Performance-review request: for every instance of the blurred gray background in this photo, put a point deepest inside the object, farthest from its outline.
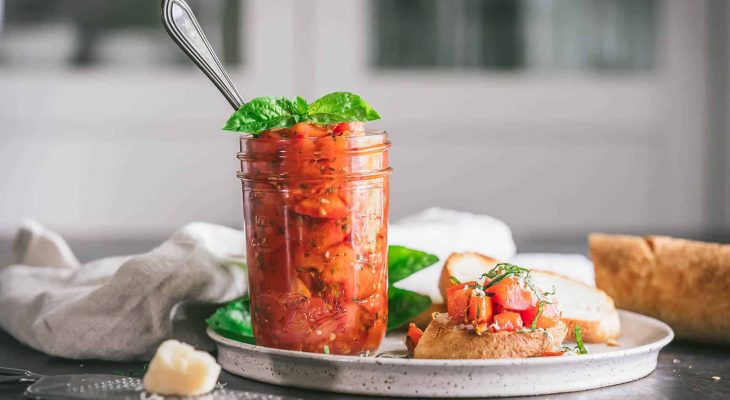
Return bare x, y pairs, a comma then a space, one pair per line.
560, 117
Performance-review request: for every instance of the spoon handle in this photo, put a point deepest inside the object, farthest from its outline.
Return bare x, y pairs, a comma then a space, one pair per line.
182, 26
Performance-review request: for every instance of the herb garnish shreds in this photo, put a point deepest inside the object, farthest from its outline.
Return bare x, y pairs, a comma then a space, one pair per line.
580, 348
503, 270
264, 113
233, 320
579, 341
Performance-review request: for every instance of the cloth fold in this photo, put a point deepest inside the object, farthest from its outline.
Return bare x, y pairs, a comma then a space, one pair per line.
119, 308
115, 308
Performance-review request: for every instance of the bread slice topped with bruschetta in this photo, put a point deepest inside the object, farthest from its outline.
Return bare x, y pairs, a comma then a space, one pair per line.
499, 313
581, 304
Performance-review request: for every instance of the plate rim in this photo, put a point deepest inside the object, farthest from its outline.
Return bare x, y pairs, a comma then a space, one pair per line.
645, 348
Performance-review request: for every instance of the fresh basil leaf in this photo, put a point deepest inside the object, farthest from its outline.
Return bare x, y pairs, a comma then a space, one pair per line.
301, 106
403, 305
233, 321
402, 262
341, 107
263, 113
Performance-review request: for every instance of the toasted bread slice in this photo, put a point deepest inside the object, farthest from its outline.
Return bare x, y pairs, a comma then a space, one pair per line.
581, 304
464, 267
442, 340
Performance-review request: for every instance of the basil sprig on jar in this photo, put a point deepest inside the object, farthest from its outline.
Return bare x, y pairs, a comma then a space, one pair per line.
265, 113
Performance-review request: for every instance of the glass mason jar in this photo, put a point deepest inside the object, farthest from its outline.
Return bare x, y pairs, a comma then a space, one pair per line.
316, 216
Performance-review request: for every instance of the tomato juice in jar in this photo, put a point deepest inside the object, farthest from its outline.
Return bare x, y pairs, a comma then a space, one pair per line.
315, 202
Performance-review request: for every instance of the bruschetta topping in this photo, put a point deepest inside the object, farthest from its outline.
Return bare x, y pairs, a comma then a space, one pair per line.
503, 299
412, 337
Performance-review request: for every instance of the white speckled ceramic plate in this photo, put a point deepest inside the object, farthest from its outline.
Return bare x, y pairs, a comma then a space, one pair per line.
636, 356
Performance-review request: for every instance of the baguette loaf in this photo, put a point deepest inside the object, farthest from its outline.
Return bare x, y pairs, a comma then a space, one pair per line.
685, 283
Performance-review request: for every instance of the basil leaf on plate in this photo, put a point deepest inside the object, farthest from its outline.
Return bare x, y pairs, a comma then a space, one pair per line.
233, 321
403, 262
404, 305
341, 107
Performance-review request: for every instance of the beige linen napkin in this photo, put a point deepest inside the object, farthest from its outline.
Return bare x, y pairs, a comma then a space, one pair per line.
115, 308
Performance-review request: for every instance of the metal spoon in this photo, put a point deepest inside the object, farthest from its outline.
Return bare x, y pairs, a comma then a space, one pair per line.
182, 26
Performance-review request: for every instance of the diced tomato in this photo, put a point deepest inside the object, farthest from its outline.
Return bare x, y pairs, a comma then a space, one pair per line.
375, 334
366, 280
331, 147
298, 158
318, 233
341, 268
322, 206
457, 300
412, 337
480, 309
511, 293
341, 127
550, 316
507, 322
375, 303
340, 262
304, 129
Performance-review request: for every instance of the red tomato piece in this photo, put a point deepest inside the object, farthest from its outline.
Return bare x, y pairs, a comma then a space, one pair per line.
318, 234
457, 300
374, 304
375, 334
366, 280
412, 337
340, 128
480, 310
304, 129
322, 206
550, 316
340, 268
511, 293
507, 322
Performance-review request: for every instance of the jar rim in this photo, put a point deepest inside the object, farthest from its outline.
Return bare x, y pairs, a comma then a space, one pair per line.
368, 133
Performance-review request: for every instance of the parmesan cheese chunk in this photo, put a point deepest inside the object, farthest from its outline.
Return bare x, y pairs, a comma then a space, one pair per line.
178, 369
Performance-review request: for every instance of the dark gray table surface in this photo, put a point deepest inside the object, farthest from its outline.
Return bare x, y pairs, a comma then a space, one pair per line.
685, 369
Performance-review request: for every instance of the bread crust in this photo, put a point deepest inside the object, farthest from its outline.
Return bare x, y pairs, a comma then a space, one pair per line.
442, 340
446, 273
685, 283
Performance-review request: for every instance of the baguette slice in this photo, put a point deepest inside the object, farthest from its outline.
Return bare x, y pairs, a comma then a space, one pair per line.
583, 305
442, 340
464, 267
